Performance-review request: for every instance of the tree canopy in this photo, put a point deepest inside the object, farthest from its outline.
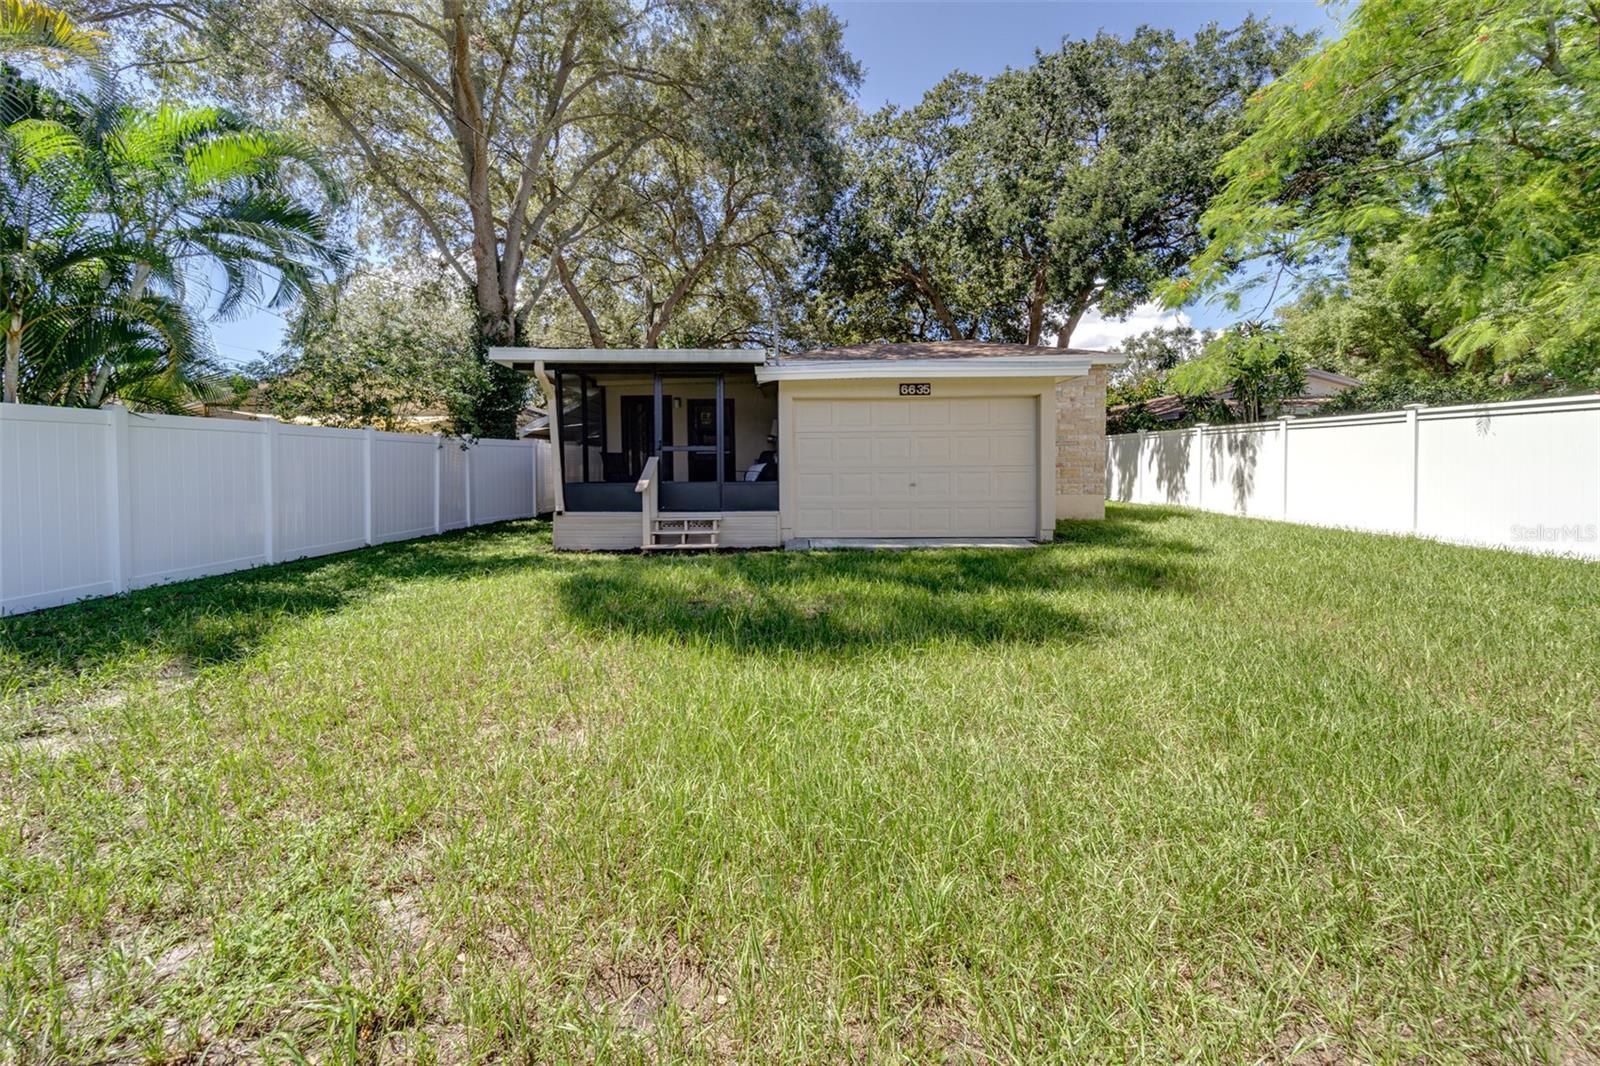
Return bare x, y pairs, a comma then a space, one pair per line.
1007, 209
614, 169
1480, 189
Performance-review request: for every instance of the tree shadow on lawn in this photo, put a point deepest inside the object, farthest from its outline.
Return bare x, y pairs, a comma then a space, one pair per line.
817, 601
842, 602
223, 618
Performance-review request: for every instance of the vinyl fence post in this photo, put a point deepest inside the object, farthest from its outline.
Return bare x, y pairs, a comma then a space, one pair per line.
1200, 489
1283, 466
119, 499
369, 435
269, 487
1415, 434
468, 449
438, 473
1138, 469
533, 461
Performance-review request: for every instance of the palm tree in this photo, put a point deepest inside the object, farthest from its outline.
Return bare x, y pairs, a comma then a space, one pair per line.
105, 210
202, 187
43, 161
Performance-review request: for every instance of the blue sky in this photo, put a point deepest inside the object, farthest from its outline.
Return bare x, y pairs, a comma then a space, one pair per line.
908, 45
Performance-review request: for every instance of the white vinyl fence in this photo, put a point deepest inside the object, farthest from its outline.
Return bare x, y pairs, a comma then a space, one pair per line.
1522, 475
95, 502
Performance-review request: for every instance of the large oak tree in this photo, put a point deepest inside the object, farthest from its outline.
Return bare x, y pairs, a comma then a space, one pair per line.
507, 135
1008, 209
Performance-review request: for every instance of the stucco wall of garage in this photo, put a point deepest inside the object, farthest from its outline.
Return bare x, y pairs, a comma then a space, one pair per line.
1042, 390
1080, 446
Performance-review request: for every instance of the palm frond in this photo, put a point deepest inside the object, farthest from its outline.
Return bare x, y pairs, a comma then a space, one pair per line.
30, 30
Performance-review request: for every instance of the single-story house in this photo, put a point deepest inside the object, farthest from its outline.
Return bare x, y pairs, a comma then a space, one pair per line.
877, 443
1171, 409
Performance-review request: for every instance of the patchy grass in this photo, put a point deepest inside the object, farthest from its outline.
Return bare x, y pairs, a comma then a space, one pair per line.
1177, 787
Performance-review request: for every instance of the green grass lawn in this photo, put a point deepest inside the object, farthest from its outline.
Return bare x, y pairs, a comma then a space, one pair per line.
1176, 787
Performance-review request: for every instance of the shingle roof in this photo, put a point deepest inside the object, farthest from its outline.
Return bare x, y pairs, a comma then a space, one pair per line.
935, 350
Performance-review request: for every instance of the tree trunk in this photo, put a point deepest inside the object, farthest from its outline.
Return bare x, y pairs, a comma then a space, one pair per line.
1036, 307
920, 279
596, 338
102, 374
652, 338
1080, 304
13, 371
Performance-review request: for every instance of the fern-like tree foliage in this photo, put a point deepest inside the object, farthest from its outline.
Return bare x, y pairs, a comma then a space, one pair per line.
1486, 184
106, 211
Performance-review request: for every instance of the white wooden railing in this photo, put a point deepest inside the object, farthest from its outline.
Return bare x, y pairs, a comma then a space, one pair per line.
648, 488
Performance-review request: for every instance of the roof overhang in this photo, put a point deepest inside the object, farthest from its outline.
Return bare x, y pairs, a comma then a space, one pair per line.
525, 358
1029, 366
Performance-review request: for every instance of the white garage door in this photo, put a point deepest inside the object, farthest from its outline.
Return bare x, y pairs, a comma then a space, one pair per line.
916, 467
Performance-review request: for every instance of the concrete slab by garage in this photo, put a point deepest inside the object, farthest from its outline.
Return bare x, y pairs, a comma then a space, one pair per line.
903, 543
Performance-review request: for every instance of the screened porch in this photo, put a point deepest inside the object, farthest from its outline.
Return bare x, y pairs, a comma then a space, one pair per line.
713, 429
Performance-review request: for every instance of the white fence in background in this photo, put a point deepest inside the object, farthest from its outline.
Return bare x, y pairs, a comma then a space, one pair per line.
1523, 475
95, 502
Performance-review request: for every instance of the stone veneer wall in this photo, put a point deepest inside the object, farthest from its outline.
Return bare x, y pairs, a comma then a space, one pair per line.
1081, 446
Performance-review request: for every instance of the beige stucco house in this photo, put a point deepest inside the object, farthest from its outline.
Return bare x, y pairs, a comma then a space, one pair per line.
881, 443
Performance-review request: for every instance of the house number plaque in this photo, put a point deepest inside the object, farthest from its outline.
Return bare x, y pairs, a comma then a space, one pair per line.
919, 388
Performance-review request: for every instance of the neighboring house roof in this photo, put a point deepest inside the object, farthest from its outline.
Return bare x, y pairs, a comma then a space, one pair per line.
947, 350
533, 422
1321, 385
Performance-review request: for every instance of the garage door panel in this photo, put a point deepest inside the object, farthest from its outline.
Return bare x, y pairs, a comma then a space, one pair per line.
891, 485
850, 416
812, 417
890, 522
846, 486
979, 414
973, 485
1011, 484
811, 486
1011, 451
916, 467
813, 451
930, 449
892, 450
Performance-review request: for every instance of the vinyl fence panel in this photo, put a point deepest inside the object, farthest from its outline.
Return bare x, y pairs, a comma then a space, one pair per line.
97, 502
1515, 475
1243, 471
1522, 475
453, 485
1353, 472
402, 485
195, 497
319, 492
502, 481
54, 507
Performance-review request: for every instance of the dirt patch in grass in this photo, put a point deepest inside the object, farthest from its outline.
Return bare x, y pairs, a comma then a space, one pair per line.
646, 994
1302, 1042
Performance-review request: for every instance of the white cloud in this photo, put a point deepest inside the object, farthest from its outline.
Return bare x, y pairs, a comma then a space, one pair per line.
1096, 331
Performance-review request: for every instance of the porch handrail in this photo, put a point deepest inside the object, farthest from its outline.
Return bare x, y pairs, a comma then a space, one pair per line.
648, 487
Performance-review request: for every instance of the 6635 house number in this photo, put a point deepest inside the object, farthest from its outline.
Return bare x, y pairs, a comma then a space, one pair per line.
916, 388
